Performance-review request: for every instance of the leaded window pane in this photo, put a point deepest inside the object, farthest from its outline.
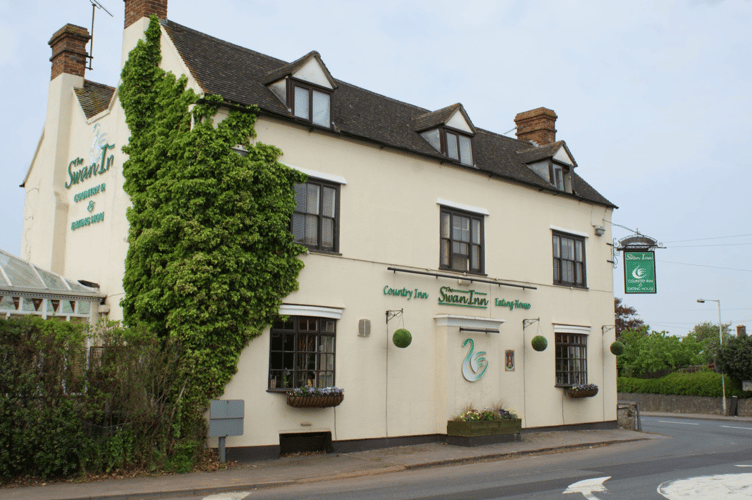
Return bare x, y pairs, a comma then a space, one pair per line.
311, 230
433, 137
302, 97
327, 234
321, 106
466, 150
308, 358
328, 208
452, 151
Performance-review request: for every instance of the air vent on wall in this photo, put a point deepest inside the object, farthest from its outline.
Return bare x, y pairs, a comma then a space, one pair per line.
364, 327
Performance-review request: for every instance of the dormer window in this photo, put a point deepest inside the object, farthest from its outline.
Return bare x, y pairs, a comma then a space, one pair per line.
305, 87
553, 163
452, 143
310, 104
448, 131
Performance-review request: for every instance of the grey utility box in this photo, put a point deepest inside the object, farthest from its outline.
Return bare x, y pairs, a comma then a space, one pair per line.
226, 417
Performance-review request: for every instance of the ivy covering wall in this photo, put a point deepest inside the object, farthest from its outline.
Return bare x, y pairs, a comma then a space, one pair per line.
210, 254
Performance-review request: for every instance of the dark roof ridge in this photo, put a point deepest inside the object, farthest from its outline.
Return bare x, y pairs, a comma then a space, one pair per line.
90, 82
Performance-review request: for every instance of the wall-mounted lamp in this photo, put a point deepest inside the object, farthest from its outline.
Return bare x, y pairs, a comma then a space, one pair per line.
599, 230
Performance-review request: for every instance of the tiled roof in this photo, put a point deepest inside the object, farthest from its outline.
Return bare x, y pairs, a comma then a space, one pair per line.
94, 97
439, 117
239, 76
289, 69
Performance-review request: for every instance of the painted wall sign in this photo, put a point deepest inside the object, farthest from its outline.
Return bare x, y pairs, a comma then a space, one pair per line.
449, 296
86, 221
89, 192
511, 304
97, 168
639, 272
404, 292
475, 365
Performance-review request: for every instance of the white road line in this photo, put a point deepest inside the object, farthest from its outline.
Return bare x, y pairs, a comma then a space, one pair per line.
732, 427
679, 423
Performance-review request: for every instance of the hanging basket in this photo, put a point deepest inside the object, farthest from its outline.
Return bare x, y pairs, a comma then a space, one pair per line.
314, 401
574, 393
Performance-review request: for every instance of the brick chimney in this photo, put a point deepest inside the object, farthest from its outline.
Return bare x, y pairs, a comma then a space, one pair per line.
537, 125
741, 331
69, 50
136, 9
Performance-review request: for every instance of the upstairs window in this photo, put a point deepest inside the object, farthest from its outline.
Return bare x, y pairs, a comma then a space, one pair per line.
311, 104
453, 144
569, 260
315, 220
461, 241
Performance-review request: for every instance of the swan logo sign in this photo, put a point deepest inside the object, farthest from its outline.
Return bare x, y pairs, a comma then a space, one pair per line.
475, 364
639, 272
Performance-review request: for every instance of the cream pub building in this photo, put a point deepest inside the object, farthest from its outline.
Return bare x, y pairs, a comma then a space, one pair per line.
413, 219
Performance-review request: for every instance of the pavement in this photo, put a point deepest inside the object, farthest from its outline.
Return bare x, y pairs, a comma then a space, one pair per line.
325, 467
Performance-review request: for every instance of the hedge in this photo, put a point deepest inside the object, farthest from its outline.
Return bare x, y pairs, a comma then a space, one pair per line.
702, 383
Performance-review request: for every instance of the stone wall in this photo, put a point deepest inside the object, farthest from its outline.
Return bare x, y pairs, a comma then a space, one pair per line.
685, 404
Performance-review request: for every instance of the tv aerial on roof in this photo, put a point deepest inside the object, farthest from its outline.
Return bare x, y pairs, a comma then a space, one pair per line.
94, 6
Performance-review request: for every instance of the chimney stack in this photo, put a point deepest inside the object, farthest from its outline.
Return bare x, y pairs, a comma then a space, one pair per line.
136, 9
741, 331
537, 126
69, 50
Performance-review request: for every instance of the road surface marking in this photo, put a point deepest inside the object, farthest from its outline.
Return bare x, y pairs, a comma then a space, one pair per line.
679, 423
233, 495
718, 487
732, 427
588, 486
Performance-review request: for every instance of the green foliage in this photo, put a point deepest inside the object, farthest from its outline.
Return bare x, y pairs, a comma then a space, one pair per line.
66, 409
701, 383
539, 343
706, 335
650, 352
210, 254
617, 348
735, 358
402, 338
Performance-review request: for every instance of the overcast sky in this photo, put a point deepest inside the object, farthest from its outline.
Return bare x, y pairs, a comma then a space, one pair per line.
654, 100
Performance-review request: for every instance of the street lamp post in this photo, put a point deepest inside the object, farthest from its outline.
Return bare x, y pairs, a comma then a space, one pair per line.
720, 338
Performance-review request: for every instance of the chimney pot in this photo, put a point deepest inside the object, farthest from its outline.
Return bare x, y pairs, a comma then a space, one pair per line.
537, 126
136, 9
69, 50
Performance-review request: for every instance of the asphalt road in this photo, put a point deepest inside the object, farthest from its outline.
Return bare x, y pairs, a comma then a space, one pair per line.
699, 460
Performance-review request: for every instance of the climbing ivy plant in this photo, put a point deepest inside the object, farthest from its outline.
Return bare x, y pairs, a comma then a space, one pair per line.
210, 254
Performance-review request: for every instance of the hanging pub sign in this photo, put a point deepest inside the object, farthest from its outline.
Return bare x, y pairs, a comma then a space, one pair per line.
639, 271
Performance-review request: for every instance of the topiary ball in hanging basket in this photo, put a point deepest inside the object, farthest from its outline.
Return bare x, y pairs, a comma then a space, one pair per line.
617, 348
539, 343
402, 338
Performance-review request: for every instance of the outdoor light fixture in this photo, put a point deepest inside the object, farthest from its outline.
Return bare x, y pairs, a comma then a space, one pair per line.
720, 338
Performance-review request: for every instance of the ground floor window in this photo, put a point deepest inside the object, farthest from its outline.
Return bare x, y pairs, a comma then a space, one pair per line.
301, 353
571, 359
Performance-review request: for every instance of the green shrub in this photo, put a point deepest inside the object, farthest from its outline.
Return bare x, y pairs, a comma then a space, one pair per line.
702, 383
539, 343
402, 338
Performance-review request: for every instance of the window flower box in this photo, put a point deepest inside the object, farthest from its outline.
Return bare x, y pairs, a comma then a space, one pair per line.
312, 397
582, 391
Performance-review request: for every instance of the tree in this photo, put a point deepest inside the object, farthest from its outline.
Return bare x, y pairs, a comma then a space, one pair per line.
625, 318
735, 358
646, 353
706, 334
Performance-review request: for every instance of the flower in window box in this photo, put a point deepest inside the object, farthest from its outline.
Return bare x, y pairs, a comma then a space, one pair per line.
315, 397
582, 391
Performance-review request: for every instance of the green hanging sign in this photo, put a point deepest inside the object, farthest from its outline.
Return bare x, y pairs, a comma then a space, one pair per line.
639, 272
